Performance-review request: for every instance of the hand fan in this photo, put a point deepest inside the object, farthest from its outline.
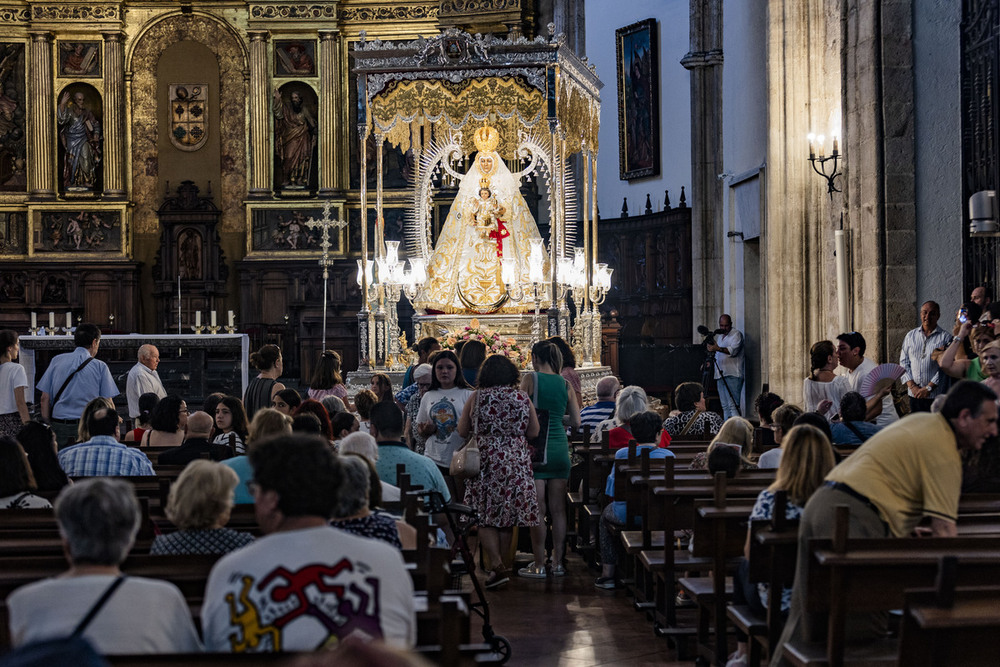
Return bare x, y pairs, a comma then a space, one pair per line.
882, 376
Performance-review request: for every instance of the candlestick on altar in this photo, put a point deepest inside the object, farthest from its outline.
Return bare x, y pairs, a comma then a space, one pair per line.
69, 320
52, 320
212, 318
178, 308
34, 320
232, 319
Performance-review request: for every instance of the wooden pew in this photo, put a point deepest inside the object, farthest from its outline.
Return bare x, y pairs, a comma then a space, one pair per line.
870, 575
949, 625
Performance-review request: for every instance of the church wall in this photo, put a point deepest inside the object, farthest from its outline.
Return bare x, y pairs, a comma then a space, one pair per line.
603, 17
744, 128
937, 54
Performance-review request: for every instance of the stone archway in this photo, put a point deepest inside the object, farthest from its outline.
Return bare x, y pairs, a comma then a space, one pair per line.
233, 63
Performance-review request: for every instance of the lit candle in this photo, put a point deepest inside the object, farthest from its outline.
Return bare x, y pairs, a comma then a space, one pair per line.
212, 317
34, 320
232, 319
52, 320
197, 318
69, 320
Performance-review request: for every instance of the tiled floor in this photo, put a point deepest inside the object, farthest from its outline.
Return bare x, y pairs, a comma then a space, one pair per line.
566, 622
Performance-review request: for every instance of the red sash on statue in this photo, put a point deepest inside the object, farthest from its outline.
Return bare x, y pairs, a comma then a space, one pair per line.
499, 234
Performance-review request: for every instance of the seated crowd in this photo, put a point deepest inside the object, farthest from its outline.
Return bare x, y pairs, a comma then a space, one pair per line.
320, 470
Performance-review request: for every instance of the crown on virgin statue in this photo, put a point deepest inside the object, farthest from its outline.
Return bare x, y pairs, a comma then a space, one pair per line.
486, 139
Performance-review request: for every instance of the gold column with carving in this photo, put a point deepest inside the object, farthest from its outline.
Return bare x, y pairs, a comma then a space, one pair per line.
41, 118
114, 120
260, 114
329, 108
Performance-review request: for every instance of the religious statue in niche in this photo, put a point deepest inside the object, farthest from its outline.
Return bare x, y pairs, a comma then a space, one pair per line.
295, 138
189, 255
80, 59
294, 58
12, 287
13, 144
84, 231
80, 137
488, 221
188, 115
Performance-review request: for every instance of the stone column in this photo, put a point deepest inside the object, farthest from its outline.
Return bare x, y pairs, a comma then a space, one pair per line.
704, 61
260, 117
114, 116
41, 118
329, 107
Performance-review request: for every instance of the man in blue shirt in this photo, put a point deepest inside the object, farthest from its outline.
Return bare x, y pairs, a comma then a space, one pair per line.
387, 428
87, 378
922, 377
103, 455
604, 408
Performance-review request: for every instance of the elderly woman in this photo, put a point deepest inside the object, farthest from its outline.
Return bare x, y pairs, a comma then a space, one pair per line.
199, 504
631, 401
364, 445
352, 512
169, 422
98, 520
414, 438
16, 480
333, 405
691, 417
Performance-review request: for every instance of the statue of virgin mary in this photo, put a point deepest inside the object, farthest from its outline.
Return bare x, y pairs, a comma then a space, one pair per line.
488, 221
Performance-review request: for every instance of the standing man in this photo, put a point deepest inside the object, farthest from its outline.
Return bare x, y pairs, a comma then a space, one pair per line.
143, 379
922, 377
851, 351
909, 471
72, 380
728, 348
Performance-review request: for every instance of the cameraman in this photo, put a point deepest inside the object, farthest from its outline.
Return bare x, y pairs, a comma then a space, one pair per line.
728, 349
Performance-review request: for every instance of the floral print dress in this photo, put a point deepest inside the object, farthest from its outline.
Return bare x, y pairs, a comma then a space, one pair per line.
504, 491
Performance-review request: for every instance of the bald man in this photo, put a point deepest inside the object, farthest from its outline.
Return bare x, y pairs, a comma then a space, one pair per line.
196, 443
143, 379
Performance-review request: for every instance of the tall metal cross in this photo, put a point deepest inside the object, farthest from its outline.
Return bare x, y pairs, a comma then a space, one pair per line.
325, 223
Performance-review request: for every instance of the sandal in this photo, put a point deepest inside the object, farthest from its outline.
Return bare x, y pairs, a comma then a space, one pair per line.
532, 571
498, 577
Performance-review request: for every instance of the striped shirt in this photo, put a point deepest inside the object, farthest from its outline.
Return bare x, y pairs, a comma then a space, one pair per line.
592, 415
103, 456
915, 358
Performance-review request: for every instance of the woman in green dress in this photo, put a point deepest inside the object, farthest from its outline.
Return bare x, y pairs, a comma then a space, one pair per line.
554, 395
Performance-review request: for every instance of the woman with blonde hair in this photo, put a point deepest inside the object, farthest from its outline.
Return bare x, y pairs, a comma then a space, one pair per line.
266, 422
735, 431
82, 432
807, 459
199, 504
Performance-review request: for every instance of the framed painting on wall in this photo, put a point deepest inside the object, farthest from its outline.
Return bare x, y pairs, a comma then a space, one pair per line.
638, 100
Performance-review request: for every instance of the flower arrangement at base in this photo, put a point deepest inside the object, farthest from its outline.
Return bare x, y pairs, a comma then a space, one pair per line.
494, 342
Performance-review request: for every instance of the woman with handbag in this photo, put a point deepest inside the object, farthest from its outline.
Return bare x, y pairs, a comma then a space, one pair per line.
552, 394
500, 417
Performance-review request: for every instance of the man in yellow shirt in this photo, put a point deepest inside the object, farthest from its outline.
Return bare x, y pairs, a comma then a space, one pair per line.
910, 470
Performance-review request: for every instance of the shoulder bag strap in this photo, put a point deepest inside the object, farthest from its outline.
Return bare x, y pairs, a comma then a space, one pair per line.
687, 427
854, 429
475, 415
66, 383
535, 397
97, 605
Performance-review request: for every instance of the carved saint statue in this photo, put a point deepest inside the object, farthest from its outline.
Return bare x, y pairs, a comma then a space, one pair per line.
295, 138
488, 221
81, 139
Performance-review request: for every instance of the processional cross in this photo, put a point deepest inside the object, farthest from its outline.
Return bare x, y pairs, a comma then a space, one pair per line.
326, 222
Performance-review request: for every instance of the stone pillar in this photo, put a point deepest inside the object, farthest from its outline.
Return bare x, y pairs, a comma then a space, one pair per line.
41, 118
260, 117
704, 61
114, 116
329, 107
